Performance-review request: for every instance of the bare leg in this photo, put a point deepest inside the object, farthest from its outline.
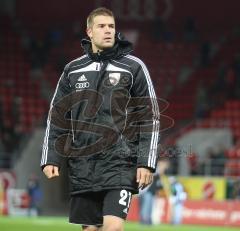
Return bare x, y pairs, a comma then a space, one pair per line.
113, 223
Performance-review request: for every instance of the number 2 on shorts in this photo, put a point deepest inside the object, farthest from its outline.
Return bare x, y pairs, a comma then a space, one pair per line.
124, 194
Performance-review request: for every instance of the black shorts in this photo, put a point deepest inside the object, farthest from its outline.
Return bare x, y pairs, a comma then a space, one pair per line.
89, 208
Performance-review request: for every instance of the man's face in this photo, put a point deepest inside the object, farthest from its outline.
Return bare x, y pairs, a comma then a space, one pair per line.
102, 32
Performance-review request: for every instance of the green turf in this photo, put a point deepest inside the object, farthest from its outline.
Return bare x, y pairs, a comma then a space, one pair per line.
61, 224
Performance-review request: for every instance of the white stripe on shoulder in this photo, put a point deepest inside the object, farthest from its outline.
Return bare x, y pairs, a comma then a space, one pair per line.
95, 66
121, 63
111, 67
79, 58
81, 64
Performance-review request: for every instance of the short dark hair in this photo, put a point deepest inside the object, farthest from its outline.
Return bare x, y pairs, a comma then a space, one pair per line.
99, 11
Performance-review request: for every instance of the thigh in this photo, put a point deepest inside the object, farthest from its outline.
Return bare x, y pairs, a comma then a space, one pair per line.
116, 203
86, 209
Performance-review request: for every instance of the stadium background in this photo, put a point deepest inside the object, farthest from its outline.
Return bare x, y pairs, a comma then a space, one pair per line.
192, 49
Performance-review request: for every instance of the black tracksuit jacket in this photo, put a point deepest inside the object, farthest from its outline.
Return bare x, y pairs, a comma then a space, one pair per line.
103, 119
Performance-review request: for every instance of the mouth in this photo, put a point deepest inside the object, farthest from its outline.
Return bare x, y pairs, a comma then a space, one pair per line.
107, 39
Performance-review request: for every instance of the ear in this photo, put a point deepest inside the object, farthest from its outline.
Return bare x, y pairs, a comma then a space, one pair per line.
89, 32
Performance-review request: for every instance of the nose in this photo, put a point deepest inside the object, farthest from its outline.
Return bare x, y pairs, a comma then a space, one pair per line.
107, 29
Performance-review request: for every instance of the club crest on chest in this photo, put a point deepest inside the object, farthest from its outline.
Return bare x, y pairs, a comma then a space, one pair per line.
114, 78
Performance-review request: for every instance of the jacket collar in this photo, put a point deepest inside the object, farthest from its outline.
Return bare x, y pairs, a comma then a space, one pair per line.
121, 48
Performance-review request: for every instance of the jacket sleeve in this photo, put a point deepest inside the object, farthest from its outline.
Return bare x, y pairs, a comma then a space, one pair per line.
56, 122
148, 117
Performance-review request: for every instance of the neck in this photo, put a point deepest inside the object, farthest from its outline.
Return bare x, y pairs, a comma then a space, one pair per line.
95, 49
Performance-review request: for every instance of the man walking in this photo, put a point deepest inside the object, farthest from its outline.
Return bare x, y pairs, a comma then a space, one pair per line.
104, 117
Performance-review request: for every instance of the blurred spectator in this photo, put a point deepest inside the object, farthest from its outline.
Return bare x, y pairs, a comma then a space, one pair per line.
236, 31
16, 110
177, 198
230, 83
161, 31
39, 52
54, 37
35, 196
236, 67
159, 28
224, 86
193, 163
46, 90
8, 136
205, 53
1, 114
173, 153
236, 63
202, 102
184, 75
36, 74
219, 85
146, 197
11, 128
77, 30
25, 40
190, 30
215, 161
168, 88
236, 189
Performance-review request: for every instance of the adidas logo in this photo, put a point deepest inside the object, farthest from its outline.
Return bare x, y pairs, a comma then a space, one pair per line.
82, 78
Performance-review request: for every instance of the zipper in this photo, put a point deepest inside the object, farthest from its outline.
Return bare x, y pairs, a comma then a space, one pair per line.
72, 127
100, 63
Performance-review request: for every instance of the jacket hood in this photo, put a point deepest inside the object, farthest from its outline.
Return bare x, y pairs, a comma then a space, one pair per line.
121, 48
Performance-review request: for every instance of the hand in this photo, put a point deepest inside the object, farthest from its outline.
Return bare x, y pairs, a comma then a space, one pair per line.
51, 171
144, 177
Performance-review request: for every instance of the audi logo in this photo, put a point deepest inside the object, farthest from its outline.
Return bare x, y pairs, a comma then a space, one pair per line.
82, 85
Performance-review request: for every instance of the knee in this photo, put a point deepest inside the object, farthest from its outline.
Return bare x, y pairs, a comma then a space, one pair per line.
112, 223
